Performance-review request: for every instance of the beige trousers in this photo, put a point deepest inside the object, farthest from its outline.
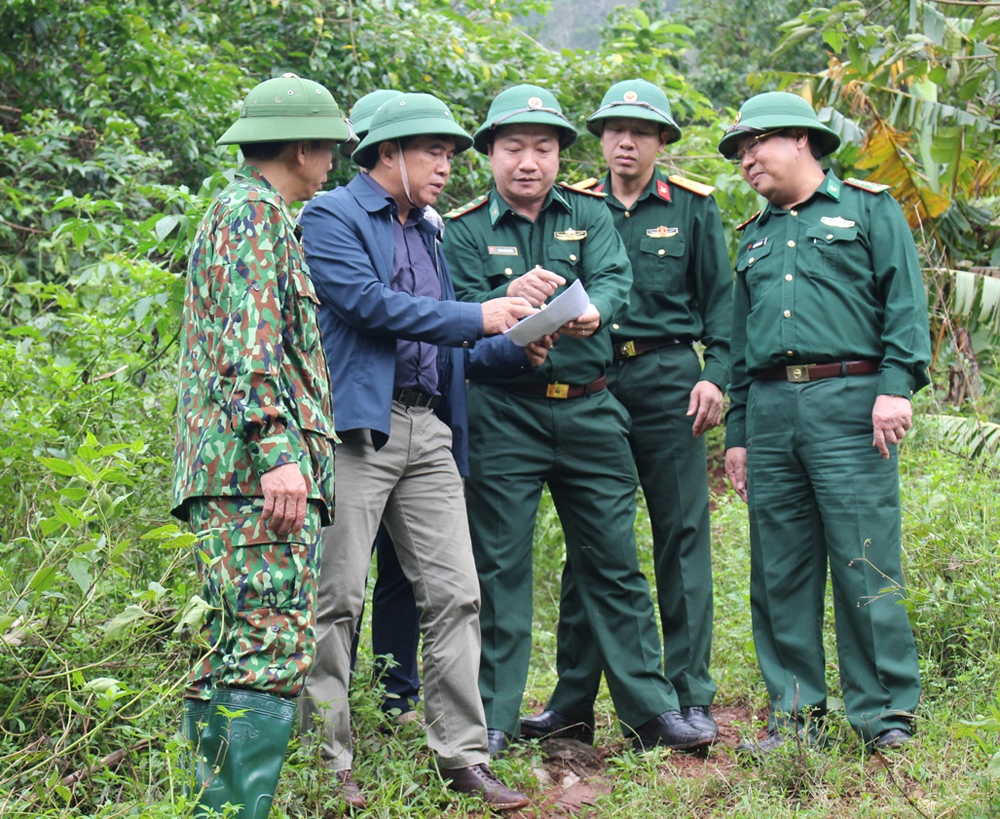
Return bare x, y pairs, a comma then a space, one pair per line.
412, 485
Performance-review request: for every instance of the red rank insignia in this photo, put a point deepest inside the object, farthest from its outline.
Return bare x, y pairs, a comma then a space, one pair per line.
663, 190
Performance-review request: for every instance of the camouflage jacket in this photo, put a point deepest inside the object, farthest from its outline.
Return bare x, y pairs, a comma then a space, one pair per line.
254, 388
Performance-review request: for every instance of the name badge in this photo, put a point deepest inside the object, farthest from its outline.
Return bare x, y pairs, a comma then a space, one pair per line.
501, 250
570, 235
662, 232
837, 222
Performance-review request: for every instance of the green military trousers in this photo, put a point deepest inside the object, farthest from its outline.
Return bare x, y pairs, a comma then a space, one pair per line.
820, 493
655, 388
579, 447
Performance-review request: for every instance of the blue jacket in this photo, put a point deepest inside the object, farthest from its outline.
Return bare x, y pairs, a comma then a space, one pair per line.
347, 234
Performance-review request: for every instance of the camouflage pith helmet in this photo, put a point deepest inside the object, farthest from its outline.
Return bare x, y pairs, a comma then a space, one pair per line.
361, 117
287, 109
635, 99
773, 111
524, 104
409, 115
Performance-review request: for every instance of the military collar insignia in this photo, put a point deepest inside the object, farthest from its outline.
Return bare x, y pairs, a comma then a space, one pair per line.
598, 188
570, 235
837, 222
501, 250
865, 185
743, 225
663, 190
494, 214
630, 96
662, 232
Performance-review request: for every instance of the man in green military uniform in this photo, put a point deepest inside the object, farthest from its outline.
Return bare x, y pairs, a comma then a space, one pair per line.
681, 293
253, 469
829, 341
557, 425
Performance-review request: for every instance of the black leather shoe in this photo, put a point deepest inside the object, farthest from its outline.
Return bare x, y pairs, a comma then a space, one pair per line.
671, 731
481, 780
498, 741
892, 739
553, 725
700, 718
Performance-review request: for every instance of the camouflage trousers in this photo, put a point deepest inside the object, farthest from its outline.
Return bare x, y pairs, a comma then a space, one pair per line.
261, 630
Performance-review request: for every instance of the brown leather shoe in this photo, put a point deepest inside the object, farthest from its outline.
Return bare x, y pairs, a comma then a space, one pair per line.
348, 788
480, 779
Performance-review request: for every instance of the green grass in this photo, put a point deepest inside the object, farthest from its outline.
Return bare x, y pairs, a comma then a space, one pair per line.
951, 537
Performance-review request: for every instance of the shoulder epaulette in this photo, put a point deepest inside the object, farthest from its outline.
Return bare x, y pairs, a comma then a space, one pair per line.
468, 207
691, 185
581, 187
748, 221
865, 185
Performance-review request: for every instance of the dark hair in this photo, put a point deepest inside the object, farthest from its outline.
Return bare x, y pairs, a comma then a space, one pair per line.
815, 148
267, 151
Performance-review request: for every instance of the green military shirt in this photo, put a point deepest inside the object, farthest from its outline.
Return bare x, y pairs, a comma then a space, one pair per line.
835, 278
489, 244
254, 388
682, 280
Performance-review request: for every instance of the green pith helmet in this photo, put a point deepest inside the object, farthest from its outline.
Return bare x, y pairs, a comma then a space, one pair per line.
287, 109
635, 99
524, 104
772, 111
361, 117
405, 116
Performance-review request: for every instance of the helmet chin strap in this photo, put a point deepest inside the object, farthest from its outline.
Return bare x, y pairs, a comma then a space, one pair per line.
402, 173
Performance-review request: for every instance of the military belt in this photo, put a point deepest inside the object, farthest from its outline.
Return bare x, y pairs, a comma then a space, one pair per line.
802, 373
562, 390
415, 398
630, 349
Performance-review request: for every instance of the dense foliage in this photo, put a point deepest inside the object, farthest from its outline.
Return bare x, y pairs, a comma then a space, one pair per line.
109, 114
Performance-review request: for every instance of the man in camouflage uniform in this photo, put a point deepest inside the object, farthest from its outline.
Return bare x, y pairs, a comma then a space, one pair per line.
254, 460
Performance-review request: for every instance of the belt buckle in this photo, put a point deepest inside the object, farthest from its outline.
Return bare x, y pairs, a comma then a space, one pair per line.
627, 350
557, 391
797, 373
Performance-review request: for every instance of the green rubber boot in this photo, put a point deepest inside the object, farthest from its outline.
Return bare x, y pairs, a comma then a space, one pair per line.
243, 755
195, 717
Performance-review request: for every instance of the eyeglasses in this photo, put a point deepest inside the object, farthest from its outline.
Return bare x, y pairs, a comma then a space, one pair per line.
751, 145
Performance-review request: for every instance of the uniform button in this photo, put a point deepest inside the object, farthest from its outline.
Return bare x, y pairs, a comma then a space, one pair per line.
465, 343
791, 243
829, 236
572, 257
628, 214
616, 327
788, 277
789, 353
752, 260
507, 271
795, 213
788, 314
661, 252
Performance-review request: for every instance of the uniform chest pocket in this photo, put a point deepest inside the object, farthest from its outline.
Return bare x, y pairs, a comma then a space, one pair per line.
661, 264
502, 267
564, 259
835, 253
758, 268
302, 315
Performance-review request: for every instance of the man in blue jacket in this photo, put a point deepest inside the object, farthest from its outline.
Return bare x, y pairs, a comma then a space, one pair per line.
397, 344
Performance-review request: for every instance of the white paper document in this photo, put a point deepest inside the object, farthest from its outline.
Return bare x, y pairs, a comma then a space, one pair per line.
568, 305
